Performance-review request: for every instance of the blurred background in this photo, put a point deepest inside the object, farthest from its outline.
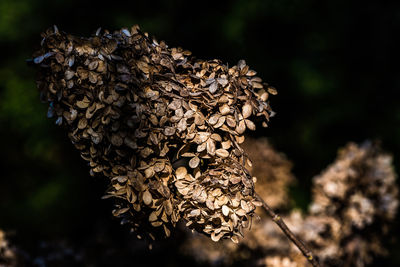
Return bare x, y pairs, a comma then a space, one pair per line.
334, 64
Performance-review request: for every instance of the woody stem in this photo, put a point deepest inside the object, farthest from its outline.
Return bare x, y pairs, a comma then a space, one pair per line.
279, 221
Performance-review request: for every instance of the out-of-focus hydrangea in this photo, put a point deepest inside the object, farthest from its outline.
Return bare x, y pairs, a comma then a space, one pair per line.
7, 254
357, 198
272, 170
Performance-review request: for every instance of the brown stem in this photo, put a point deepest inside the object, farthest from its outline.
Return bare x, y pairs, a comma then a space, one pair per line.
279, 221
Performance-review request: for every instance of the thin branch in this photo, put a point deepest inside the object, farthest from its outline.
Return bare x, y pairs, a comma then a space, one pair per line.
279, 221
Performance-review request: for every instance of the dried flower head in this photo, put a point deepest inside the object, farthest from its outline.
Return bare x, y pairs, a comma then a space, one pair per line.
273, 172
354, 202
355, 199
164, 127
8, 256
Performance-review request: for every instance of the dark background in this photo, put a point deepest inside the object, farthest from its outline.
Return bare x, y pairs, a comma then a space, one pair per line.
334, 64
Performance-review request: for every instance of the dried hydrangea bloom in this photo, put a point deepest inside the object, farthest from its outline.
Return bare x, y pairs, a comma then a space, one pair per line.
358, 194
262, 240
164, 127
8, 256
354, 201
273, 172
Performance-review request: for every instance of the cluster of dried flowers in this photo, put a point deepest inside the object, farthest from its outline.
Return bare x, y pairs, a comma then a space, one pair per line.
274, 176
355, 199
7, 253
354, 202
164, 127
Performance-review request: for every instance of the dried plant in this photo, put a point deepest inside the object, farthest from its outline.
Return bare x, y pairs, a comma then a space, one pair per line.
164, 127
355, 199
273, 172
7, 254
167, 130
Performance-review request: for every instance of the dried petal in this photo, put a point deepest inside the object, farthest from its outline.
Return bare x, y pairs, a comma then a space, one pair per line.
147, 198
194, 162
180, 173
250, 125
168, 131
247, 110
224, 109
222, 153
225, 210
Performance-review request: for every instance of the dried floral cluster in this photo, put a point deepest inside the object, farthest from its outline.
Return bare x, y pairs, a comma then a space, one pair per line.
354, 202
7, 254
274, 176
164, 127
355, 199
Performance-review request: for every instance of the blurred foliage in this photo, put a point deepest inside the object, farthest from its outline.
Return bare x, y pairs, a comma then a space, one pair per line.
334, 64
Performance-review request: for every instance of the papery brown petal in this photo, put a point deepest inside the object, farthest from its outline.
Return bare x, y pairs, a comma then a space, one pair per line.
194, 162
